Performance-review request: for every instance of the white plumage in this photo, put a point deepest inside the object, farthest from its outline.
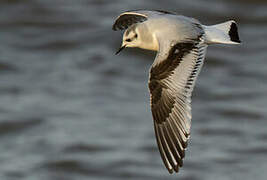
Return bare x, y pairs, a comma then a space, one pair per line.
181, 43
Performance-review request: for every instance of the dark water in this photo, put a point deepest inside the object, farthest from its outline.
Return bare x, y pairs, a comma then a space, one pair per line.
72, 110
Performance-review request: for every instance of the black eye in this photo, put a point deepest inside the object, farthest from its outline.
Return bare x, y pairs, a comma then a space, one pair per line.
135, 35
128, 40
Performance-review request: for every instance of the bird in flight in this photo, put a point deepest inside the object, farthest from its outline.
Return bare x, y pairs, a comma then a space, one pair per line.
181, 44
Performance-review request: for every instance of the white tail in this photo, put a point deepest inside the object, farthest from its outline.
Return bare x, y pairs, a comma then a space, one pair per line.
224, 33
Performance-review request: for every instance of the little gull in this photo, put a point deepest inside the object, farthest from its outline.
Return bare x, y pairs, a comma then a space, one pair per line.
181, 44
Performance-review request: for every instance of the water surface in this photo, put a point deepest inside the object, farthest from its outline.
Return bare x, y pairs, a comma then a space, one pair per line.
71, 109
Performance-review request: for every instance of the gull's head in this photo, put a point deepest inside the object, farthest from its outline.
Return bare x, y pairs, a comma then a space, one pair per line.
131, 38
139, 36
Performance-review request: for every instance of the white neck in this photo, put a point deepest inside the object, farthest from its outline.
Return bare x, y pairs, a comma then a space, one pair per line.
148, 40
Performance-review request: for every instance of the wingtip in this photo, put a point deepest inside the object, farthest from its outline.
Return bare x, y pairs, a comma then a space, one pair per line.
176, 168
113, 27
173, 169
170, 170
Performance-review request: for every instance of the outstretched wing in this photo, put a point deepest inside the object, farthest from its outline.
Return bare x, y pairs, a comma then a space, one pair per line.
129, 18
171, 84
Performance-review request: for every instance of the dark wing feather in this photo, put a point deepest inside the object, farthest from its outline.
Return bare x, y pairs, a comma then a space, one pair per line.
171, 84
127, 19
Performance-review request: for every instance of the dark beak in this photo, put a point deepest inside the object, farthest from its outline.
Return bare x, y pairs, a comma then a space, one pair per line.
121, 48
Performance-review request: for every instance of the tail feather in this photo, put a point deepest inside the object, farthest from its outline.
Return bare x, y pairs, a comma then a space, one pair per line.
224, 33
233, 33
